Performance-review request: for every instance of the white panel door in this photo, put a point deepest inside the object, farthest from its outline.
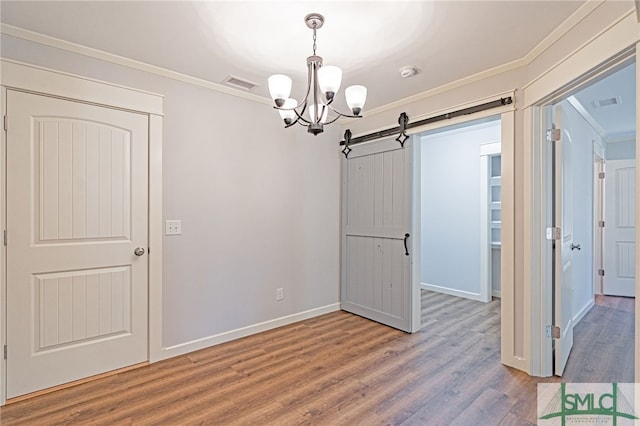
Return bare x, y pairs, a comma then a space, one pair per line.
376, 281
76, 211
620, 240
563, 255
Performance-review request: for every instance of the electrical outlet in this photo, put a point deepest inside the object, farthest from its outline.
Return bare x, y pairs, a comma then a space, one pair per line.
280, 293
173, 227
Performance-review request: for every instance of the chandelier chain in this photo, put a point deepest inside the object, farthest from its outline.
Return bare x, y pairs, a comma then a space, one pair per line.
314, 40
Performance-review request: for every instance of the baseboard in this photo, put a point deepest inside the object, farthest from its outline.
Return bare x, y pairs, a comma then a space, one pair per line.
586, 308
195, 345
451, 291
496, 293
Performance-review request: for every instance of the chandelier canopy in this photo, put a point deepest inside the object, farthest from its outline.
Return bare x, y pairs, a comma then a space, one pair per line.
323, 83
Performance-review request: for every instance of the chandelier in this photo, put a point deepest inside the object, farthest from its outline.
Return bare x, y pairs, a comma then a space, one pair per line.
322, 84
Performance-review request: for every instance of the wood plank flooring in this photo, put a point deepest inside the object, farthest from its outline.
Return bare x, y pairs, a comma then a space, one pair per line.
340, 369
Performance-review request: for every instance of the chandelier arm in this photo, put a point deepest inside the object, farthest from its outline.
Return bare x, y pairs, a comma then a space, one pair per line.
341, 114
306, 96
333, 120
316, 111
292, 123
300, 117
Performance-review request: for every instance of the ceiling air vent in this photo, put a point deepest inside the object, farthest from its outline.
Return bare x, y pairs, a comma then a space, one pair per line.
239, 83
607, 102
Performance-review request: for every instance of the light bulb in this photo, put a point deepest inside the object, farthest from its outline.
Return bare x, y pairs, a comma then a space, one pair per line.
329, 80
356, 97
288, 115
279, 88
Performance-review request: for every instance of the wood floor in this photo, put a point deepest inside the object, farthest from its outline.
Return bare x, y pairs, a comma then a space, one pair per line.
340, 369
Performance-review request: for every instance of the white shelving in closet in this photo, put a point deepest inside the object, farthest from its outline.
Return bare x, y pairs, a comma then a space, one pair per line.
490, 217
495, 199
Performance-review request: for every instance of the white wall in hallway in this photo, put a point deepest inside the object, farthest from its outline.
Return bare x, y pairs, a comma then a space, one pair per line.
450, 206
623, 150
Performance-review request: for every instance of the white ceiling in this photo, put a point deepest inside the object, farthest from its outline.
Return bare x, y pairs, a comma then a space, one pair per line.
610, 104
369, 40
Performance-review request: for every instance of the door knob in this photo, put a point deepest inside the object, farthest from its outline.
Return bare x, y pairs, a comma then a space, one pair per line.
575, 246
139, 251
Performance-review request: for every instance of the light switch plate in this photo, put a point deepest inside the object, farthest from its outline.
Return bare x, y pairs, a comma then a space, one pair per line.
173, 227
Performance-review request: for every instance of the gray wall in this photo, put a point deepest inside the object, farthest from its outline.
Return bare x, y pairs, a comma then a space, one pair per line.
259, 204
450, 205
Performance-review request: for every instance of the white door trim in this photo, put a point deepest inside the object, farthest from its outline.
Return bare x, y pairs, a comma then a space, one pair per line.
509, 355
54, 83
589, 62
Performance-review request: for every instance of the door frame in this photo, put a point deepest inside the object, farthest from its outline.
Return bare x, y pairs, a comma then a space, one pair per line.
591, 61
507, 256
598, 216
47, 82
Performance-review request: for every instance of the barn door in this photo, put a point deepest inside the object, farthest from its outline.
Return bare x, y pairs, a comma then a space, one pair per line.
376, 281
76, 241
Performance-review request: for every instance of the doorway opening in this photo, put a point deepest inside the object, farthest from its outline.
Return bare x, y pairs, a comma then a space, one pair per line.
460, 209
590, 194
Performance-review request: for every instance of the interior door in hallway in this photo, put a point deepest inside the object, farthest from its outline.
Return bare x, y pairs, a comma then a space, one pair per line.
77, 184
619, 231
563, 246
376, 276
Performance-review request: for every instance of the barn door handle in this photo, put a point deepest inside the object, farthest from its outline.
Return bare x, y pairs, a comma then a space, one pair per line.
575, 246
406, 250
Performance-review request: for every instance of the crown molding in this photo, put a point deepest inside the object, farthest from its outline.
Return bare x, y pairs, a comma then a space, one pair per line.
583, 11
500, 69
587, 8
574, 19
124, 61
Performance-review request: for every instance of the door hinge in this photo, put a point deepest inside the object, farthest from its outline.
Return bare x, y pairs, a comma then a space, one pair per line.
553, 331
554, 233
601, 224
5, 122
4, 237
601, 175
5, 351
601, 272
553, 135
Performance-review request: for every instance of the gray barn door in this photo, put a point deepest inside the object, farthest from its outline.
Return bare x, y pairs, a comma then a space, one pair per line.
376, 278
